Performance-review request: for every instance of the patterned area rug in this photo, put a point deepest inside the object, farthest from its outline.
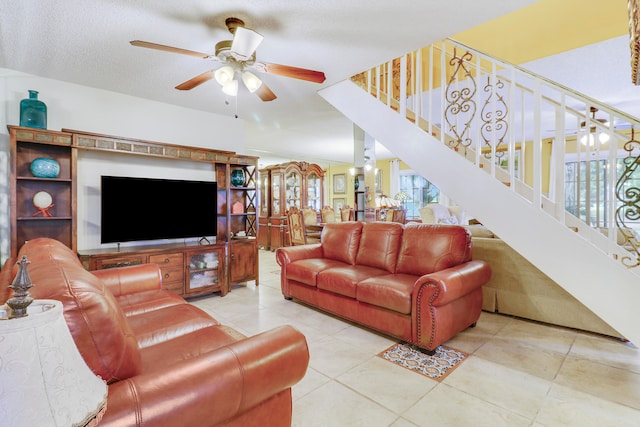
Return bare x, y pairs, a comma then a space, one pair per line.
436, 367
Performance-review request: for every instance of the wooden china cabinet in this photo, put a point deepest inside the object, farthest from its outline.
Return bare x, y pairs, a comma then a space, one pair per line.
189, 269
283, 186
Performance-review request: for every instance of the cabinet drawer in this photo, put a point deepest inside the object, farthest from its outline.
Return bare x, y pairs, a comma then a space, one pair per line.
176, 286
102, 264
172, 275
167, 260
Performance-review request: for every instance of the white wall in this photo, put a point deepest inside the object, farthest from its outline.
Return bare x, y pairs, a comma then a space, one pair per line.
83, 108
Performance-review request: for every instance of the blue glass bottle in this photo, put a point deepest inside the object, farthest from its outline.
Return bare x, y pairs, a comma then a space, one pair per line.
33, 112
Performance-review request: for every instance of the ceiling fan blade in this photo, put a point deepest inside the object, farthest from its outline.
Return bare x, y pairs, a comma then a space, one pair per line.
293, 72
172, 49
196, 81
245, 42
265, 93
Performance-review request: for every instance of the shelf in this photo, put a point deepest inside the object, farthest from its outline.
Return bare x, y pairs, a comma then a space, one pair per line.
33, 178
199, 270
44, 218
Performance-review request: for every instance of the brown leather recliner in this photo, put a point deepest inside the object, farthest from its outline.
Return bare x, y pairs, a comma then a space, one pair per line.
167, 363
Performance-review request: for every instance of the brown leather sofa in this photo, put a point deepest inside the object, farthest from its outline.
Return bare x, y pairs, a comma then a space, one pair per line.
166, 362
415, 282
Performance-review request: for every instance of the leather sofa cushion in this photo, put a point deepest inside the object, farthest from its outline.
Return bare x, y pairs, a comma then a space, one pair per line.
379, 245
340, 241
143, 302
98, 326
391, 291
343, 280
427, 248
306, 270
167, 323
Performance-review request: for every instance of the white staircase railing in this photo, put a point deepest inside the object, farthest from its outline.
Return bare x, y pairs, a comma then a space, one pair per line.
571, 155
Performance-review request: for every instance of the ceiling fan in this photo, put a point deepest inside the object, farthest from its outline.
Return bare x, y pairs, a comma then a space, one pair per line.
238, 57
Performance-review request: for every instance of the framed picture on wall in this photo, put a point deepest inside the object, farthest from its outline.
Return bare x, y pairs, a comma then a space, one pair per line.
340, 183
338, 203
379, 182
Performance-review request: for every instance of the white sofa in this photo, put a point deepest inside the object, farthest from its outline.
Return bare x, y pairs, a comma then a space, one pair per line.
436, 213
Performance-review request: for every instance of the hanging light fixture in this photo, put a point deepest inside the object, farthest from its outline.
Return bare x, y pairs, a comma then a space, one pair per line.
589, 138
224, 74
251, 81
226, 77
230, 88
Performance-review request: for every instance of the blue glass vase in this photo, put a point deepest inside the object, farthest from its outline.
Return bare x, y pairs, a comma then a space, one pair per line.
237, 178
33, 112
44, 167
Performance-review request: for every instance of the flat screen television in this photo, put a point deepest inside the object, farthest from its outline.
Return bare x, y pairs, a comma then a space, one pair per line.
136, 209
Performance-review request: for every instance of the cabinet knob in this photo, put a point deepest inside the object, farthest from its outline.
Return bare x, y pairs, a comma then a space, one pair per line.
166, 260
166, 275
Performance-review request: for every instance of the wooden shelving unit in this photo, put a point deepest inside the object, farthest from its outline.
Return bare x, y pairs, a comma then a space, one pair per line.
27, 222
235, 250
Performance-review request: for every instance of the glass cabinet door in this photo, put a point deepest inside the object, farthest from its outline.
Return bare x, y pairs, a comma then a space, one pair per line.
314, 191
293, 189
275, 195
203, 270
264, 200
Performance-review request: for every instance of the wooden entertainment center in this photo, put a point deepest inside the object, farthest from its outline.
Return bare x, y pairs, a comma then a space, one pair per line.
187, 269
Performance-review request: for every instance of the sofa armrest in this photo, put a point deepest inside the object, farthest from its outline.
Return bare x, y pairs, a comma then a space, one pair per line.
215, 386
288, 254
452, 283
130, 279
446, 302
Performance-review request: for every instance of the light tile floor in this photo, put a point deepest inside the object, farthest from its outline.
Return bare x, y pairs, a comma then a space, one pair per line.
519, 373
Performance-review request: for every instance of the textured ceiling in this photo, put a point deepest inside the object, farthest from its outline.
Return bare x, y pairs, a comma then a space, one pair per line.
87, 43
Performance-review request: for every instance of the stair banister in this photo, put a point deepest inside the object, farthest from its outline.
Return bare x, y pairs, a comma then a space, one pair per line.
543, 215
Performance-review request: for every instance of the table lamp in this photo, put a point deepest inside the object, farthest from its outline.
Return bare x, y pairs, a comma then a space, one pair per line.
44, 380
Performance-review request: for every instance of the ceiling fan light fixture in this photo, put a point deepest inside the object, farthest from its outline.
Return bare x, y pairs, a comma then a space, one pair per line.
230, 88
223, 75
587, 140
251, 81
589, 137
245, 42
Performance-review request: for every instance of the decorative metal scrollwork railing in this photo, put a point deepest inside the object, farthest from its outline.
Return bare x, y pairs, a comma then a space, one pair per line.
460, 101
628, 196
494, 115
520, 120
